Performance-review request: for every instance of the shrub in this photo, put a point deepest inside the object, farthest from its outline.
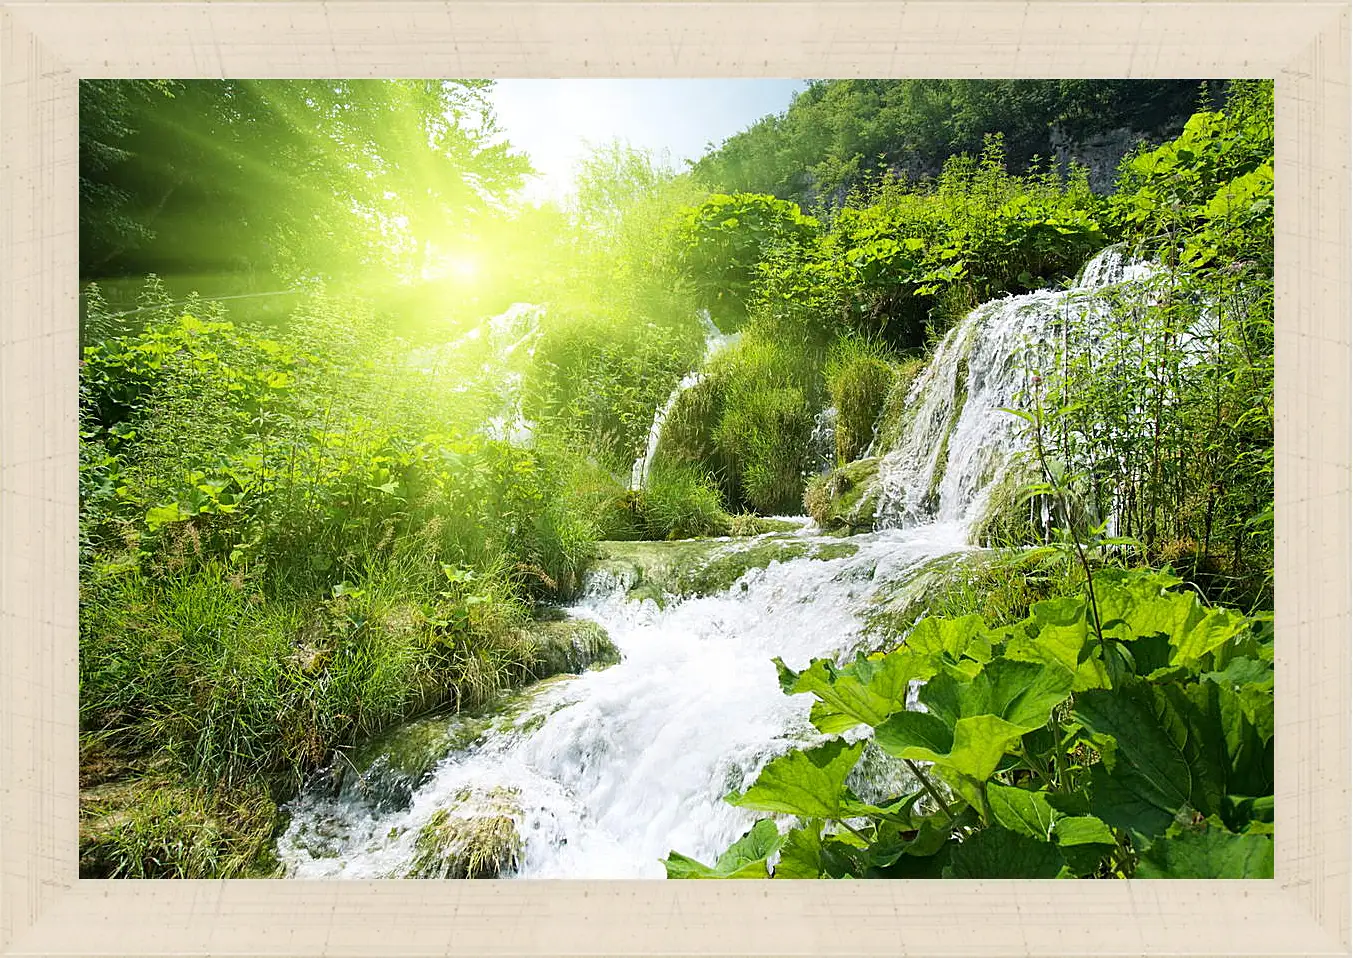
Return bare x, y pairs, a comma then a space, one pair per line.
680, 503
859, 376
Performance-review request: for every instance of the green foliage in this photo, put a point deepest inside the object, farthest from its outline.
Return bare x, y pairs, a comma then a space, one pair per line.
1086, 740
596, 379
276, 180
1164, 408
154, 828
748, 423
679, 503
838, 134
723, 241
859, 378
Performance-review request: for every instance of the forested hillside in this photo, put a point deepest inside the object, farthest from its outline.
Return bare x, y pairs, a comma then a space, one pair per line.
839, 134
881, 474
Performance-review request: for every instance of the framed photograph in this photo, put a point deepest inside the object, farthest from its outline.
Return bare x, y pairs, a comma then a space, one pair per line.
468, 469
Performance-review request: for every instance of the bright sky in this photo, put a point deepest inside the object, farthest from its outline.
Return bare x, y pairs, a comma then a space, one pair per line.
555, 122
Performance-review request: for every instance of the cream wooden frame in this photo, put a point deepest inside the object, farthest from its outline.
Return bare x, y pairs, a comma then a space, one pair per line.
45, 47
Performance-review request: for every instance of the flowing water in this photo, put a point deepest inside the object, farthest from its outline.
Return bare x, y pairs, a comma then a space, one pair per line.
610, 770
715, 341
960, 437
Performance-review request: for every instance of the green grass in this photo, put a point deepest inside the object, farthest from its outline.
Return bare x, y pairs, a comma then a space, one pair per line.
859, 375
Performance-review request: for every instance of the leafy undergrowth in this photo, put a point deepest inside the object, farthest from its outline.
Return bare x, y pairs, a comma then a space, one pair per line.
1129, 737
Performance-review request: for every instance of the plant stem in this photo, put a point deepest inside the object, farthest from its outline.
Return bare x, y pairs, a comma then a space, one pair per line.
930, 789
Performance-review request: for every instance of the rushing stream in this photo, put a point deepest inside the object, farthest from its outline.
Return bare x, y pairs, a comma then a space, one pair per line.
612, 769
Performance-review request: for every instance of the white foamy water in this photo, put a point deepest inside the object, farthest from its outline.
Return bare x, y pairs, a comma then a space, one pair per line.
613, 769
960, 438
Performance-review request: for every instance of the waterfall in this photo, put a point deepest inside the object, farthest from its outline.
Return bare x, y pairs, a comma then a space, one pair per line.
715, 341
822, 441
960, 441
600, 775
485, 362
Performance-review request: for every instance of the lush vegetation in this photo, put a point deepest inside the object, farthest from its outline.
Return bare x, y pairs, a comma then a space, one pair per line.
323, 492
838, 133
1126, 736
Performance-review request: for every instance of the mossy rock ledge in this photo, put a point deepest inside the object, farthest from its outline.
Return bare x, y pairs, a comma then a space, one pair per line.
475, 837
570, 646
696, 567
386, 770
846, 499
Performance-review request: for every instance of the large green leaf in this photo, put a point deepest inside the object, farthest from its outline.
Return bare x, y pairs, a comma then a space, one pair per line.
1085, 843
1215, 628
745, 858
867, 690
997, 852
979, 744
801, 854
1022, 811
809, 783
1021, 693
1143, 779
1211, 852
907, 730
1062, 631
957, 638
1024, 694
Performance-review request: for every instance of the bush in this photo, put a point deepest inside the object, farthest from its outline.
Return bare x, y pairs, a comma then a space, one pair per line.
859, 376
680, 503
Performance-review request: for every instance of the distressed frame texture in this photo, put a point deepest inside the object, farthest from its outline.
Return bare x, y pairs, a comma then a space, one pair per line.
46, 47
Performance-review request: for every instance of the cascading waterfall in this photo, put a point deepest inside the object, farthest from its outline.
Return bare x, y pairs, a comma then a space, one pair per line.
822, 441
488, 360
602, 774
715, 340
960, 439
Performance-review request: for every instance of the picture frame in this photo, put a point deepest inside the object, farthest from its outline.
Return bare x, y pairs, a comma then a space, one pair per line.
46, 47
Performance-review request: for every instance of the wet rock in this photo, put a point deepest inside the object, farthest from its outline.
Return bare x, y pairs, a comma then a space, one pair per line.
570, 646
846, 499
385, 772
476, 837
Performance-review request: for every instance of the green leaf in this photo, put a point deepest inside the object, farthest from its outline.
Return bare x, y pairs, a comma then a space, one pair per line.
1081, 830
1142, 780
1022, 811
1211, 852
911, 730
997, 852
1062, 633
868, 690
980, 742
809, 783
801, 853
745, 858
162, 515
962, 637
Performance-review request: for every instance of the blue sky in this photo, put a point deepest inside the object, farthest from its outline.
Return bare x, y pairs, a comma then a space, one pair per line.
554, 121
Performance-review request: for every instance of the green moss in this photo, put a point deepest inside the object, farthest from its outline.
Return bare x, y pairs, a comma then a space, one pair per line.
749, 524
570, 646
152, 827
719, 574
476, 838
1007, 517
846, 498
837, 550
660, 571
385, 771
998, 585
